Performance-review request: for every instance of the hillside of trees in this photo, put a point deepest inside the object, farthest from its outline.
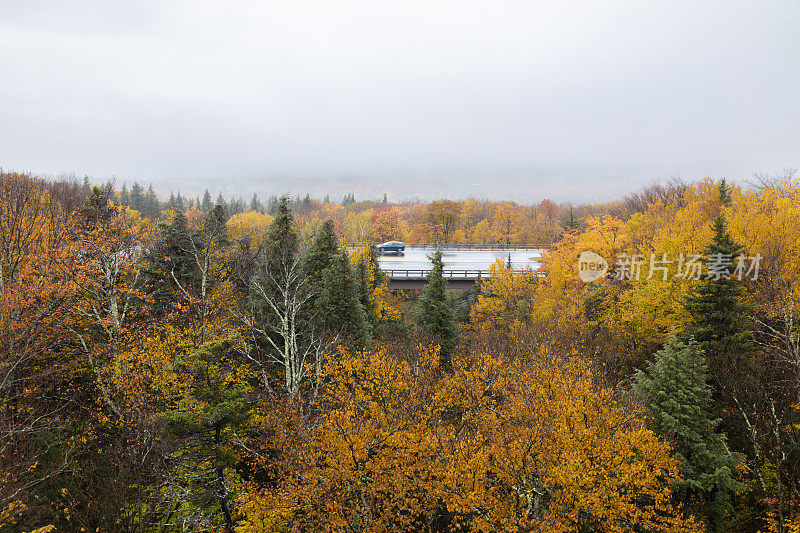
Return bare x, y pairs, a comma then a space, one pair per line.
229, 365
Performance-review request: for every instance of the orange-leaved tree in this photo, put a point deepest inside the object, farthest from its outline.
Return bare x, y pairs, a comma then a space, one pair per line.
530, 445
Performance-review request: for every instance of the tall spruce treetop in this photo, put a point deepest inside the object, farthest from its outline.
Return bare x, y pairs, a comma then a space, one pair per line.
207, 204
719, 320
282, 242
151, 207
724, 193
215, 224
435, 314
136, 196
321, 252
339, 305
98, 209
679, 401
255, 204
173, 263
124, 197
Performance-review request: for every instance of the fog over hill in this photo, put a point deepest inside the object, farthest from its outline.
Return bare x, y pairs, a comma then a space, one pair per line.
571, 100
521, 186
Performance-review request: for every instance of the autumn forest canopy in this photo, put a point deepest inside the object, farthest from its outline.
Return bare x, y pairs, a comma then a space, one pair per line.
229, 364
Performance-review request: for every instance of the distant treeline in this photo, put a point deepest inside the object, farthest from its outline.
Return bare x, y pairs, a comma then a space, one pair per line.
471, 220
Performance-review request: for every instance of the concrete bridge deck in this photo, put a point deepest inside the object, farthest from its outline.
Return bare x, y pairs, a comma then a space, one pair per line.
462, 267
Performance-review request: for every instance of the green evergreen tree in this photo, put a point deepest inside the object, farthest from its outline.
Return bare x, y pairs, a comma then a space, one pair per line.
202, 436
136, 197
221, 201
86, 187
369, 277
339, 307
719, 318
272, 205
725, 193
435, 314
173, 268
320, 254
571, 222
679, 401
214, 224
255, 204
282, 243
151, 206
363, 291
97, 210
206, 206
236, 206
124, 197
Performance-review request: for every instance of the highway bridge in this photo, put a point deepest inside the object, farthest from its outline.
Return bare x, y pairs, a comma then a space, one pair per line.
463, 264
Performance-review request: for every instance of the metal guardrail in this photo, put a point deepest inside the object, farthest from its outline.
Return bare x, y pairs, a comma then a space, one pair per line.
401, 273
464, 246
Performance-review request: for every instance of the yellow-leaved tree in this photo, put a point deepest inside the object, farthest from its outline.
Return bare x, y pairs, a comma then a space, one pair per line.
506, 297
529, 445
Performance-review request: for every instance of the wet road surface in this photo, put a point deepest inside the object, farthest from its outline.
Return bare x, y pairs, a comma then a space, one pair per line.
475, 259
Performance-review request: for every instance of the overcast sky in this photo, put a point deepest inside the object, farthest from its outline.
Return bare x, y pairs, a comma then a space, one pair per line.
575, 100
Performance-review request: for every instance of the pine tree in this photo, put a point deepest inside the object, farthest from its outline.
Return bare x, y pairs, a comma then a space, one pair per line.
97, 210
202, 436
339, 306
136, 196
435, 314
221, 201
214, 223
173, 267
321, 252
572, 223
206, 206
236, 206
124, 197
363, 290
679, 402
369, 277
255, 204
719, 319
86, 188
282, 243
151, 207
272, 204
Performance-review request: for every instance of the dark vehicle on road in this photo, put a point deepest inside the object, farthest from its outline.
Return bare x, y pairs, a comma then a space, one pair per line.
391, 247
